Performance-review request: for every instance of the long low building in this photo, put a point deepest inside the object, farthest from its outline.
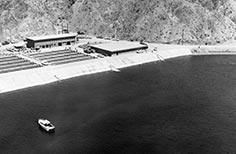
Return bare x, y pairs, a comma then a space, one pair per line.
49, 41
117, 48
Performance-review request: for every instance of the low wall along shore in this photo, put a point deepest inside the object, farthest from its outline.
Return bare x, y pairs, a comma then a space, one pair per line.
214, 50
48, 74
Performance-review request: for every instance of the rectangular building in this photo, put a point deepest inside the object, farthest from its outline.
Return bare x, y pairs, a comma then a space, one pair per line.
117, 48
49, 41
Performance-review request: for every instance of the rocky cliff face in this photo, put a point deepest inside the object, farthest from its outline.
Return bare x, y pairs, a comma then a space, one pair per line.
170, 21
21, 18
167, 21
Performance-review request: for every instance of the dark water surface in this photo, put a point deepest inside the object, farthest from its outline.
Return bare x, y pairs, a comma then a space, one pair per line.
181, 106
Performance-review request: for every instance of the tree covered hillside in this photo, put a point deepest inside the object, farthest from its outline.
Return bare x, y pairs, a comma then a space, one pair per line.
167, 21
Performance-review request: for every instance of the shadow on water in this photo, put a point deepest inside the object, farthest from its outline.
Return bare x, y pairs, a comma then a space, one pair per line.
44, 132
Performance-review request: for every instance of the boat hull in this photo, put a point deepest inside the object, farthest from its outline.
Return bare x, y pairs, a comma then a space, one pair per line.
46, 128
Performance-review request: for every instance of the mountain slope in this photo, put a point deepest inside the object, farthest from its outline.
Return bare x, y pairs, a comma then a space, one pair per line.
21, 18
170, 21
167, 21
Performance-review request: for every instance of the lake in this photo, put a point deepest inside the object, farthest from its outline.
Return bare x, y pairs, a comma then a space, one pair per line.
185, 105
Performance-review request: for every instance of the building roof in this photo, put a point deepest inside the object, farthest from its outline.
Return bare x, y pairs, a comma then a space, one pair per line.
49, 37
119, 46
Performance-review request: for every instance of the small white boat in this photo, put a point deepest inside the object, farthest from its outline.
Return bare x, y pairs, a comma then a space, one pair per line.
46, 125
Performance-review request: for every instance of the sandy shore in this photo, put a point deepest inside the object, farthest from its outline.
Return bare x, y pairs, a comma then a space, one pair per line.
44, 75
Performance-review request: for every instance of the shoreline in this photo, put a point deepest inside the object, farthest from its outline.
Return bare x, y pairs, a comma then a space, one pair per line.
44, 75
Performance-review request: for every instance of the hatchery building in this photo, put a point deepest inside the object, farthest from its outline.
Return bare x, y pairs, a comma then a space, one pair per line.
49, 41
118, 48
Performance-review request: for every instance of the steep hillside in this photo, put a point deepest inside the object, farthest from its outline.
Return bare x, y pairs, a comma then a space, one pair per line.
20, 18
167, 21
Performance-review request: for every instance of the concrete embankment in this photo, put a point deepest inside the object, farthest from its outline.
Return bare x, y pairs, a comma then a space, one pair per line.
44, 75
214, 50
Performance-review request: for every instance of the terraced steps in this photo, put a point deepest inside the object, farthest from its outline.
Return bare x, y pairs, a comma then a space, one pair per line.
18, 68
77, 59
11, 62
59, 55
15, 65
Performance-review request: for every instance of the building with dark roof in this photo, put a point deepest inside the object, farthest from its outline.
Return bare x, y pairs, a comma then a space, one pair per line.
117, 48
49, 41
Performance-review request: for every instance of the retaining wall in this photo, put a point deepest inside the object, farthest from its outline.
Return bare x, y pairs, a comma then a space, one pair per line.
44, 75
